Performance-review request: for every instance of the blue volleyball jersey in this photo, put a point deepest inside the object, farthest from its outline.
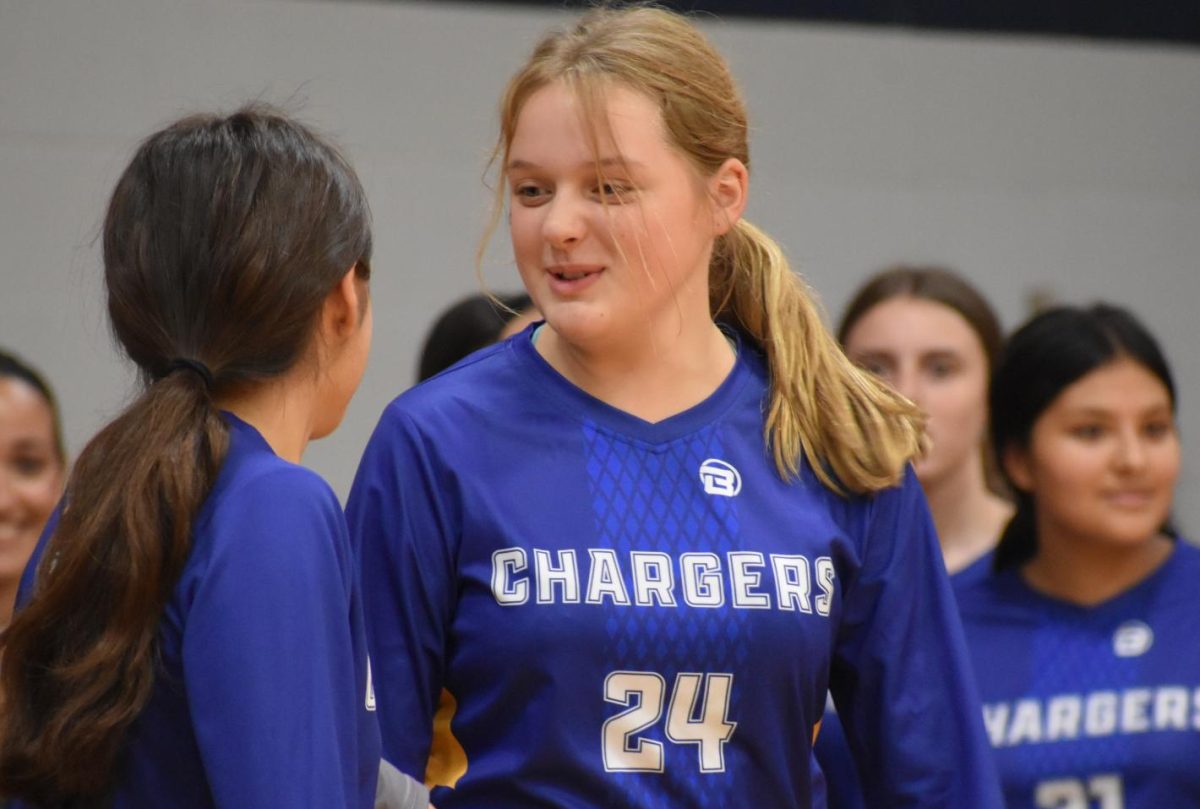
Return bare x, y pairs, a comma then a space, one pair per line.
1092, 707
262, 696
834, 761
568, 606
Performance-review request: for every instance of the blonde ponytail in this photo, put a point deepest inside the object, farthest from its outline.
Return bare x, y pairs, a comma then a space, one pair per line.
855, 431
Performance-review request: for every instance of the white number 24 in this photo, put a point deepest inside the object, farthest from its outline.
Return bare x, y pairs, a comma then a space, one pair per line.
642, 692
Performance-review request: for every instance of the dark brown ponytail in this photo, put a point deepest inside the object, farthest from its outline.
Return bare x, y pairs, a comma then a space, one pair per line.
221, 241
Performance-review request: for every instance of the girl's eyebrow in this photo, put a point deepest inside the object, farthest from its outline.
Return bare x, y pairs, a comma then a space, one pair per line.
604, 162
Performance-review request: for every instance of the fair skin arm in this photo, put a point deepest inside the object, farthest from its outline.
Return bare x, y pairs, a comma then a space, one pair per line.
289, 411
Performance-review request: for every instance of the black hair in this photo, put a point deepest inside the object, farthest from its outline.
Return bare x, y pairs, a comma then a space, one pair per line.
13, 367
466, 326
1041, 359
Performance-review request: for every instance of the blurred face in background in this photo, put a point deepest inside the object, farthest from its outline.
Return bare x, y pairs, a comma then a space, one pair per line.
1102, 459
929, 353
31, 473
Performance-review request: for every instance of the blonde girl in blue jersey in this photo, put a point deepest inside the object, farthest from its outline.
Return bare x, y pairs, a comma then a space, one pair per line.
624, 549
1086, 635
192, 635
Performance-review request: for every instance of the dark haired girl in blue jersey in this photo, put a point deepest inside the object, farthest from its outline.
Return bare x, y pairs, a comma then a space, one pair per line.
191, 633
617, 560
1086, 637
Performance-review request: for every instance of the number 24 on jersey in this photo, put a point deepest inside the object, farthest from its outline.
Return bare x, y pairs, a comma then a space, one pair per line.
643, 693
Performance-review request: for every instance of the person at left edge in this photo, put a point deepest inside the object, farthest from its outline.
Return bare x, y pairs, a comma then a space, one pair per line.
189, 632
33, 466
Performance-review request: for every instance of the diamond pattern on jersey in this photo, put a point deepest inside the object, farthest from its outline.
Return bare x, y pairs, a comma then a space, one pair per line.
650, 498
1075, 657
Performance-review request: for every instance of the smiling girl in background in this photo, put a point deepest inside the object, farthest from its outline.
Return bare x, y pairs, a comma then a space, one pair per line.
32, 470
628, 548
1086, 638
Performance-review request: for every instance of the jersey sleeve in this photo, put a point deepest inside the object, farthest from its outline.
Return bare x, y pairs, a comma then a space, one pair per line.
901, 678
268, 654
403, 530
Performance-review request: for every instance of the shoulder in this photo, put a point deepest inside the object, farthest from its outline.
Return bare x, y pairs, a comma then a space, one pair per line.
470, 379
1187, 554
263, 504
1182, 571
984, 593
977, 570
493, 386
900, 503
269, 484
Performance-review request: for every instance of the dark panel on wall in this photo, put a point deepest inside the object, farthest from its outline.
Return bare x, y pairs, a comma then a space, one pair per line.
1175, 21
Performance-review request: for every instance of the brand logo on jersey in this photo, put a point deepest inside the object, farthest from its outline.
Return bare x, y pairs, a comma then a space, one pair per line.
720, 478
1132, 639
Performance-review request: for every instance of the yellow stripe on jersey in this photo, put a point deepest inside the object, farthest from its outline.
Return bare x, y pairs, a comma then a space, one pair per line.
447, 758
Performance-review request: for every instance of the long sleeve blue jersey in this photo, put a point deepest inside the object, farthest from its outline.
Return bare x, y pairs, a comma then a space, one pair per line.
568, 606
1091, 707
262, 695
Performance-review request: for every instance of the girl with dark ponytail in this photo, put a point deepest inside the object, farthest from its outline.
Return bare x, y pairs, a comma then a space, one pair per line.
1086, 636
191, 633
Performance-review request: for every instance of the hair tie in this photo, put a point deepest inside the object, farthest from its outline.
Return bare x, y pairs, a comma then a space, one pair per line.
195, 366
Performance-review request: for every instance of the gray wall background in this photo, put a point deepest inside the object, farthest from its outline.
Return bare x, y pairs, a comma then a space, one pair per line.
1038, 167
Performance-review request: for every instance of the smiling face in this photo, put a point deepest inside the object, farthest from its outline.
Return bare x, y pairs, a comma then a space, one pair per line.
608, 244
31, 473
929, 353
1102, 459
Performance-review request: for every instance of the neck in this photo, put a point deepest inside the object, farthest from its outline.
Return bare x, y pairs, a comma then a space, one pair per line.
1077, 571
282, 410
968, 517
647, 375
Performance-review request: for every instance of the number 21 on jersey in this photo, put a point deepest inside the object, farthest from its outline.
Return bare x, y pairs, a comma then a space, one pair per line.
1100, 791
643, 693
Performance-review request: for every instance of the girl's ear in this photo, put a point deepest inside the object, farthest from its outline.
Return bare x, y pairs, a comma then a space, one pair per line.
1017, 466
728, 188
342, 311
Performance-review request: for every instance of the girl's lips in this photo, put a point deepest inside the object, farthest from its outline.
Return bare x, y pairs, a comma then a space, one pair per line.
571, 279
1129, 498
